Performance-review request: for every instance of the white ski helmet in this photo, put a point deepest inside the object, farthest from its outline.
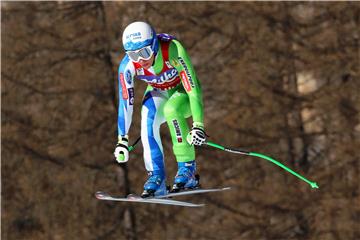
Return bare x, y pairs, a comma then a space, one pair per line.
138, 35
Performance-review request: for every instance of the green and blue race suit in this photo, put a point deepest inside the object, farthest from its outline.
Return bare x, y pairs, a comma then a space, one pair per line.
173, 95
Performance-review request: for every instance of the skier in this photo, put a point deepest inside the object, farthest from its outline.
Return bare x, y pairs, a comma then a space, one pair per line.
173, 94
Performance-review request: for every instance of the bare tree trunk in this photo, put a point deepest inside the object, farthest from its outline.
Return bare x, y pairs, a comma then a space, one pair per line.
129, 217
294, 117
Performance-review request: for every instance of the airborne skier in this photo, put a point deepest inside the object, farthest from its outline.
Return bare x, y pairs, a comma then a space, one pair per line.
173, 94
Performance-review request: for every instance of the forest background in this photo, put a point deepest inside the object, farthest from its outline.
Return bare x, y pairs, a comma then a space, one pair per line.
279, 78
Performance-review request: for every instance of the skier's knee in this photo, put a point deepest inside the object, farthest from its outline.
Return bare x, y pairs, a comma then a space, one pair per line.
170, 111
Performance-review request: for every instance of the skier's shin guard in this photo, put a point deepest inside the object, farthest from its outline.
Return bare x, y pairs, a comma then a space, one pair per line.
184, 152
176, 110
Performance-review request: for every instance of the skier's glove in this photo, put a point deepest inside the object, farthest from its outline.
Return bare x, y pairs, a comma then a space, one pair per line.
197, 135
122, 151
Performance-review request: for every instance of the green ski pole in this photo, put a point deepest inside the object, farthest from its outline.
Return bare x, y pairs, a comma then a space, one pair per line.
244, 152
134, 144
254, 154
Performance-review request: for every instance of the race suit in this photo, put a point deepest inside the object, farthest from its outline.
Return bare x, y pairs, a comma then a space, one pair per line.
173, 94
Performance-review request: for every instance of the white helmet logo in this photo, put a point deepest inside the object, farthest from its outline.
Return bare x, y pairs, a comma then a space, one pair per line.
134, 36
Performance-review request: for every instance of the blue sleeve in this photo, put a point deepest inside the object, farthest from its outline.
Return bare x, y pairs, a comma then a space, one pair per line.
126, 75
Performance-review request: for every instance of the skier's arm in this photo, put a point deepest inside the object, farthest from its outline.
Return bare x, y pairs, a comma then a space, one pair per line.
181, 61
126, 75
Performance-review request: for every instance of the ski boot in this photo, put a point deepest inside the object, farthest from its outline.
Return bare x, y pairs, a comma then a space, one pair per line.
185, 177
155, 185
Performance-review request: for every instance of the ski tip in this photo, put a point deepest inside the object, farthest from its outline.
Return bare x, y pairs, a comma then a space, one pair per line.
226, 188
101, 195
195, 205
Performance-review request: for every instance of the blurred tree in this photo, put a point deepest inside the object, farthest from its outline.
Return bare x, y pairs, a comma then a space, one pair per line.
57, 78
278, 78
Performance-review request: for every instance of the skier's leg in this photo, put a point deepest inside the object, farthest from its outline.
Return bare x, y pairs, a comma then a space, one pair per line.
151, 119
176, 110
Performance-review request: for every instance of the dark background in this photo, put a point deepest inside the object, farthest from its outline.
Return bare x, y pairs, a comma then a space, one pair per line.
279, 78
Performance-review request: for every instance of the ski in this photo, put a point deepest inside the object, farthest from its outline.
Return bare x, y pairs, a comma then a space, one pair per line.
192, 191
160, 199
135, 198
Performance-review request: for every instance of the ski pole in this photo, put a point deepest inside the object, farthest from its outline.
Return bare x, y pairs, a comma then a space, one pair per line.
134, 144
130, 148
244, 152
248, 153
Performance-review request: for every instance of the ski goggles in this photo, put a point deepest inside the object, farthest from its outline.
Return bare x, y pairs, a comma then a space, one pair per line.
144, 53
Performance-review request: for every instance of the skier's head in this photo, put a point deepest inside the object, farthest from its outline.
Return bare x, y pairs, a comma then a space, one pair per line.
140, 41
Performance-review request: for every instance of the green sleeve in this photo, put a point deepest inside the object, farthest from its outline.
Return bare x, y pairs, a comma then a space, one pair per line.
180, 60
